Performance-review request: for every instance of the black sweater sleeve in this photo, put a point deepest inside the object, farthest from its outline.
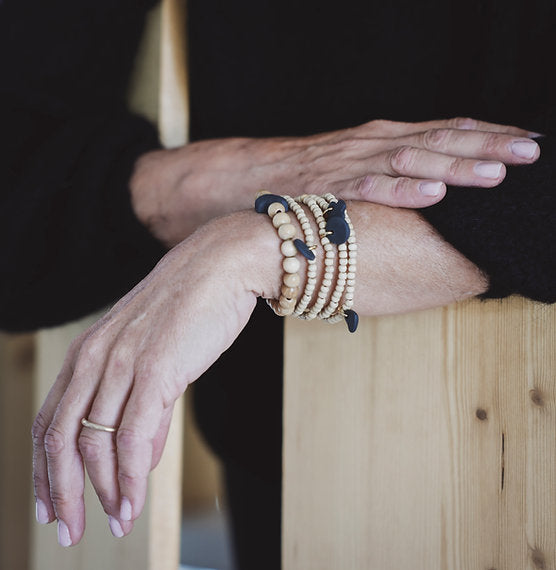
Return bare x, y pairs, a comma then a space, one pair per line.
69, 240
510, 231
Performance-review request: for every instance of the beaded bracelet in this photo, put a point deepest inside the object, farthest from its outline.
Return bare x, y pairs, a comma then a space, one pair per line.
276, 207
341, 276
311, 260
332, 220
345, 312
310, 200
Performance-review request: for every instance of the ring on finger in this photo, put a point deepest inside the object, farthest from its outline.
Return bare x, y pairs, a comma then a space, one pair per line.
86, 423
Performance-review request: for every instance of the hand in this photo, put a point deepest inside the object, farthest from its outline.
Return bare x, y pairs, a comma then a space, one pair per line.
131, 366
397, 164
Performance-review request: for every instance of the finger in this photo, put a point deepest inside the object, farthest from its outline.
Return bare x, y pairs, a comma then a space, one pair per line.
474, 144
398, 129
135, 441
419, 163
65, 464
98, 448
399, 192
45, 511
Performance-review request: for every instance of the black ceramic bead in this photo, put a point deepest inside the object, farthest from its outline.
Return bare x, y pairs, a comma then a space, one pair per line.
337, 209
263, 202
339, 229
352, 320
303, 249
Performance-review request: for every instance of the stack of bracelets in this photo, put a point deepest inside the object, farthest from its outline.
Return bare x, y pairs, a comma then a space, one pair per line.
334, 299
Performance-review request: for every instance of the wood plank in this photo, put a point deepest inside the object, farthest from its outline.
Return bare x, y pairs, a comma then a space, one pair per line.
424, 441
16, 375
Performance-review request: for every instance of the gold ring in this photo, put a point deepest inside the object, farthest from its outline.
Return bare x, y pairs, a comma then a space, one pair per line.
100, 427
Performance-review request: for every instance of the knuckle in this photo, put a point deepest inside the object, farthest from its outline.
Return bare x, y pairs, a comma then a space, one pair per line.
128, 439
435, 139
39, 427
89, 447
380, 125
88, 353
466, 123
365, 186
60, 498
402, 159
128, 480
401, 187
490, 143
456, 166
54, 441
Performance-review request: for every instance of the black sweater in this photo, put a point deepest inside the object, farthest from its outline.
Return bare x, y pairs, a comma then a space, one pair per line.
70, 241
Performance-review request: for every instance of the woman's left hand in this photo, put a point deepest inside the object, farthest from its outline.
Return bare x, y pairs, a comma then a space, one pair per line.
130, 368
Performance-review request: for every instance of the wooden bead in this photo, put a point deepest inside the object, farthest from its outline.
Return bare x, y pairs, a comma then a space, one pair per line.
288, 248
286, 303
291, 264
274, 208
289, 292
291, 280
280, 219
286, 231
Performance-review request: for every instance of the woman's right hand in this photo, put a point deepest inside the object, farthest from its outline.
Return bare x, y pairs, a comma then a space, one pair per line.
392, 163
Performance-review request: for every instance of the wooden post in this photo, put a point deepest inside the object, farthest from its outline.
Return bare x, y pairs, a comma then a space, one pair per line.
424, 441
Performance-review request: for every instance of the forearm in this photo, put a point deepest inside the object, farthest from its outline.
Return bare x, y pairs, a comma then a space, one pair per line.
403, 264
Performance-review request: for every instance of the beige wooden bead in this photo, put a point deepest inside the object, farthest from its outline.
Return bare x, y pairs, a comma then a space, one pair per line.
289, 292
288, 248
280, 219
275, 208
282, 311
262, 193
285, 231
286, 303
291, 280
291, 264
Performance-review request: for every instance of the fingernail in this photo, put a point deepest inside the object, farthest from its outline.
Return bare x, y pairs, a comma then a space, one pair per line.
488, 169
430, 188
41, 512
115, 527
524, 149
534, 135
64, 537
125, 509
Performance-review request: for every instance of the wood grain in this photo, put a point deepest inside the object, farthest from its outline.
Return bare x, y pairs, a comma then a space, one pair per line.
424, 441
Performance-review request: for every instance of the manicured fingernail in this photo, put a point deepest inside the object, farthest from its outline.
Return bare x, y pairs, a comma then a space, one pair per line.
488, 169
524, 149
115, 527
125, 509
430, 188
534, 135
64, 537
41, 512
